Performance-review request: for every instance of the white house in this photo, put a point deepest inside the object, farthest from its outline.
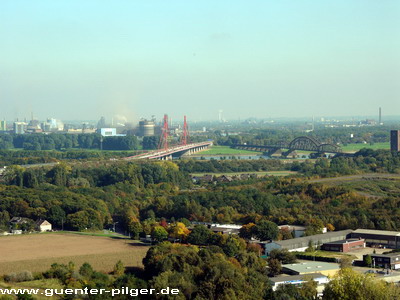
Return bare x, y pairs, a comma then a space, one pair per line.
43, 225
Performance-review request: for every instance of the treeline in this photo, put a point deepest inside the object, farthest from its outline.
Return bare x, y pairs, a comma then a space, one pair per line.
343, 136
365, 160
234, 165
27, 157
138, 175
61, 207
82, 197
137, 194
58, 141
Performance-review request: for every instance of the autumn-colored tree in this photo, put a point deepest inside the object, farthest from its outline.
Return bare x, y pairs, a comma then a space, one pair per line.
330, 227
247, 231
256, 248
148, 225
178, 230
346, 262
349, 285
308, 289
284, 234
314, 226
163, 223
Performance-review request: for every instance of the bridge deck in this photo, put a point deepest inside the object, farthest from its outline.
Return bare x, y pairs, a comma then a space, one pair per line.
156, 154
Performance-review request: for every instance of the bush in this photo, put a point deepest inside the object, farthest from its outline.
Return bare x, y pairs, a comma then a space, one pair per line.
317, 258
38, 276
18, 277
10, 277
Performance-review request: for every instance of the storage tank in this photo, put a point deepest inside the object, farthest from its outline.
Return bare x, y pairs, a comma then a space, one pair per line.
146, 128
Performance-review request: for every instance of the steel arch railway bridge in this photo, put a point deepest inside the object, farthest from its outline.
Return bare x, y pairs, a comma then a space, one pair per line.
303, 143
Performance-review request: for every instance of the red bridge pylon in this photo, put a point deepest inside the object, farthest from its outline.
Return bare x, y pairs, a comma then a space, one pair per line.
163, 143
185, 134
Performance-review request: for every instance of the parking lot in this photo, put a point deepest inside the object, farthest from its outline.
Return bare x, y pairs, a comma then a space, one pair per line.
367, 250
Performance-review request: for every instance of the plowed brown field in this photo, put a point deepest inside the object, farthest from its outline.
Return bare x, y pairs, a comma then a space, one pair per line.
36, 252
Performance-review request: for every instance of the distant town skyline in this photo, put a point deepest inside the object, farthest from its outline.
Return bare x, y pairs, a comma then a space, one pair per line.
76, 60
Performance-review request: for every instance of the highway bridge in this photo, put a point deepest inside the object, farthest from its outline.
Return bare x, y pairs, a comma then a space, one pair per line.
300, 143
175, 151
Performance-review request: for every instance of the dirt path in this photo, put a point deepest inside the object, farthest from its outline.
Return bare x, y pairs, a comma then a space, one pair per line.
366, 176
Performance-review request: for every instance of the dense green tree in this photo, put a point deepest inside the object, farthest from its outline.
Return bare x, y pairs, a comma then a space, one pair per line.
56, 216
283, 255
78, 221
159, 234
86, 270
119, 269
205, 273
266, 230
247, 231
199, 235
150, 142
368, 260
274, 267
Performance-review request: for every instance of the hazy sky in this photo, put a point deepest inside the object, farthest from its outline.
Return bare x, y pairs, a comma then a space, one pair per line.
80, 59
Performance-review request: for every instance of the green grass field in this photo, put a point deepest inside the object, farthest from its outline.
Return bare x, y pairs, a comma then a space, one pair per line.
357, 147
321, 253
226, 150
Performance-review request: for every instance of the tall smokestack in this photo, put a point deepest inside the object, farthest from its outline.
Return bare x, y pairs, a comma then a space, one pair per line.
380, 116
313, 123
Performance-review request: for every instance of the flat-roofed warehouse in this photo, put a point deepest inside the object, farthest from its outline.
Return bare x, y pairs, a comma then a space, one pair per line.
302, 243
388, 239
298, 279
327, 269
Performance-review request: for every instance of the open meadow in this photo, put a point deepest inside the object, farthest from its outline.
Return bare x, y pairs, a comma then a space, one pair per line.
369, 184
356, 147
226, 150
36, 252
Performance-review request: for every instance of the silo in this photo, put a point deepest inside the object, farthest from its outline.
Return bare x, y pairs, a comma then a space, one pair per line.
146, 128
